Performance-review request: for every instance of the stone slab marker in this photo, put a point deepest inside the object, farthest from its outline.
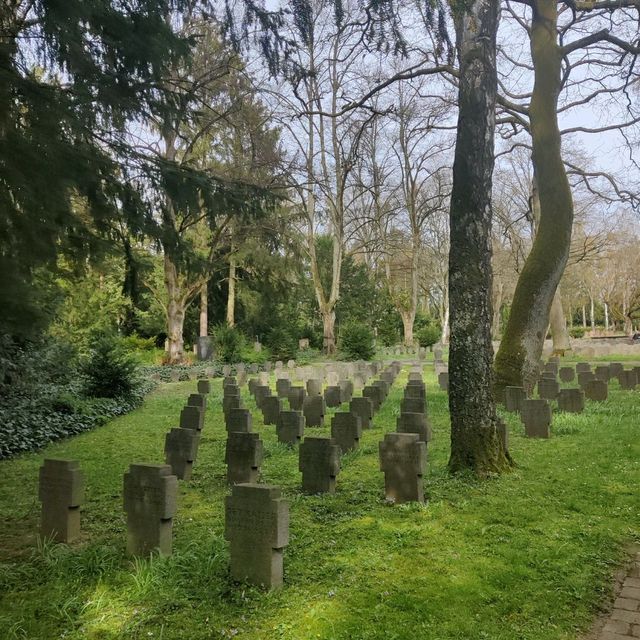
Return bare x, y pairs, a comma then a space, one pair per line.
319, 462
536, 416
290, 427
548, 389
415, 391
513, 399
628, 380
314, 409
603, 372
150, 501
415, 376
61, 491
597, 390
271, 408
346, 430
296, 398
230, 390
363, 408
282, 387
257, 527
413, 405
443, 380
180, 450
197, 400
571, 400
414, 423
231, 402
192, 418
333, 396
616, 369
403, 459
384, 386
239, 420
243, 457
260, 393
567, 374
204, 387
374, 394
583, 367
346, 390
584, 377
314, 387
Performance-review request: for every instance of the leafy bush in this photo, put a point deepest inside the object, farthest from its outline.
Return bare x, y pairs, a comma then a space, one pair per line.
428, 335
136, 343
356, 341
306, 356
110, 370
577, 332
282, 343
229, 343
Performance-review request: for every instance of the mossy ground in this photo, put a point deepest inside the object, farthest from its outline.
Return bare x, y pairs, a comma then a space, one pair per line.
528, 555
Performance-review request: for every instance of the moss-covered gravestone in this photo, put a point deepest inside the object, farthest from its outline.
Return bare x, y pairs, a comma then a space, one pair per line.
346, 430
180, 450
567, 374
319, 462
61, 492
257, 527
150, 502
536, 416
403, 460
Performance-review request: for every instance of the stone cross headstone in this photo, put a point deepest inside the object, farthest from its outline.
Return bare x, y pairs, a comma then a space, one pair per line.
319, 462
603, 372
548, 389
260, 393
282, 387
363, 408
226, 370
314, 409
231, 402
415, 376
513, 398
333, 396
616, 369
291, 364
536, 416
567, 374
413, 405
257, 527
192, 418
180, 450
375, 394
571, 400
271, 408
197, 400
346, 430
243, 457
314, 387
597, 390
296, 398
584, 377
150, 502
414, 423
346, 390
263, 378
403, 459
290, 427
383, 386
61, 491
204, 387
239, 419
628, 380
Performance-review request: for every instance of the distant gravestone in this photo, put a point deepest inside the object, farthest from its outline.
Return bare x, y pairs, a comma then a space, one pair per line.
268, 366
567, 374
363, 408
571, 400
243, 457
603, 372
628, 380
229, 381
231, 402
226, 370
443, 380
239, 420
319, 463
414, 423
61, 492
192, 418
279, 365
583, 367
180, 450
253, 369
597, 390
413, 405
197, 400
291, 364
263, 378
333, 378
296, 398
314, 409
383, 386
548, 375
403, 460
536, 416
271, 408
584, 377
282, 387
616, 369
260, 393
257, 527
548, 389
375, 394
346, 430
204, 387
346, 390
150, 502
251, 385
513, 398
333, 396
290, 427
314, 387
415, 376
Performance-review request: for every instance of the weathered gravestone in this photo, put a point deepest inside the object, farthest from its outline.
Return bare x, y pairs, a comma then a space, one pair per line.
230, 390
314, 387
548, 389
231, 402
296, 398
363, 408
263, 378
597, 390
204, 387
226, 370
319, 462
243, 457
291, 364
253, 369
257, 527
551, 367
375, 394
260, 393
414, 423
413, 405
271, 408
415, 376
383, 386
239, 419
180, 450
513, 398
346, 430
583, 367
571, 400
314, 409
150, 502
584, 377
443, 380
548, 375
603, 372
616, 369
567, 374
197, 400
192, 418
290, 427
333, 396
628, 380
403, 459
282, 387
536, 416
346, 390
61, 491
252, 384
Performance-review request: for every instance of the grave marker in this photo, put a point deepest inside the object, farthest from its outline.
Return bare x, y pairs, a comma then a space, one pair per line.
363, 408
314, 409
513, 399
346, 430
290, 427
597, 390
319, 462
536, 416
567, 374
243, 457
271, 408
239, 419
571, 400
192, 418
408, 422
403, 459
180, 450
296, 398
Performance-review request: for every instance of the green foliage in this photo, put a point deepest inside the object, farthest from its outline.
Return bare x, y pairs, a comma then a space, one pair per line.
136, 343
282, 344
428, 335
356, 341
577, 332
110, 370
229, 343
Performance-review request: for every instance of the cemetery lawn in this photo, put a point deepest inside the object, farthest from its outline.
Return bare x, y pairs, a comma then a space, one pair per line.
527, 556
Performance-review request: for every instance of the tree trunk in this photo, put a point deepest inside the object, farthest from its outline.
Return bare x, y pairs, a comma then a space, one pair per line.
231, 291
408, 319
175, 311
475, 443
592, 314
204, 310
558, 322
584, 317
606, 317
497, 308
329, 337
518, 358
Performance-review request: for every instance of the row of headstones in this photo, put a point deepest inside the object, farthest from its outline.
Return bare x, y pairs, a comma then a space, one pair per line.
536, 413
421, 352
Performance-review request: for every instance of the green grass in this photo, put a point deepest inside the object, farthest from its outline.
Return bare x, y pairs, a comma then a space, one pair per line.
527, 556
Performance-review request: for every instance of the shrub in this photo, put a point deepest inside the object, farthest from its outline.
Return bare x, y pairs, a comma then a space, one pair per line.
110, 370
428, 335
229, 343
282, 343
356, 341
135, 343
577, 332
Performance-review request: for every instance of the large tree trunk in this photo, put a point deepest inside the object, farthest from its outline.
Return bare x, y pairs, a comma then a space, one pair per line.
329, 336
408, 319
518, 358
497, 308
558, 323
475, 443
204, 310
175, 310
231, 292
